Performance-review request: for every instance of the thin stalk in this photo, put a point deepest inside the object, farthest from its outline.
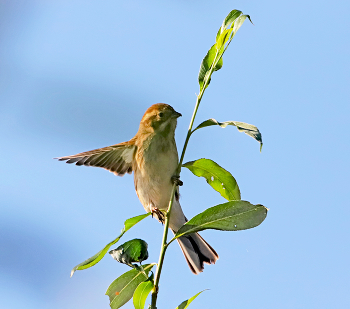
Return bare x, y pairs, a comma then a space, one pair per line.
167, 217
162, 252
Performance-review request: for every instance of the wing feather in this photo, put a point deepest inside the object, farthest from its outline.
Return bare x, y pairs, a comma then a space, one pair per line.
117, 158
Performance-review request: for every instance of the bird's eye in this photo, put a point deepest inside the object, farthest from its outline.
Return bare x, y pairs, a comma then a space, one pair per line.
161, 115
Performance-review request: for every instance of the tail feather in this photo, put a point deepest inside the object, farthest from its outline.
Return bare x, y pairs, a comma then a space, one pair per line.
197, 252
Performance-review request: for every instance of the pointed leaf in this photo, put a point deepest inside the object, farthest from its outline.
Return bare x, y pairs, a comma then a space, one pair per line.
213, 59
246, 128
231, 216
141, 293
132, 251
128, 224
187, 302
216, 176
249, 19
206, 64
122, 289
239, 22
231, 17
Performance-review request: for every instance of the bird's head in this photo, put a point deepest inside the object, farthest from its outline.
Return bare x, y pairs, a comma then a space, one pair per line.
160, 118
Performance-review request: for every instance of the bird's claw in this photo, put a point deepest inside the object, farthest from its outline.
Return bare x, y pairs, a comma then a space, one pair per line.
159, 214
176, 180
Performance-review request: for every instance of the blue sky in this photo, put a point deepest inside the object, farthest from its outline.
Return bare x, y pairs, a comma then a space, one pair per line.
78, 75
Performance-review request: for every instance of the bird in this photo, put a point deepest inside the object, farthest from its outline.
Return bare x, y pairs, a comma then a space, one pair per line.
152, 155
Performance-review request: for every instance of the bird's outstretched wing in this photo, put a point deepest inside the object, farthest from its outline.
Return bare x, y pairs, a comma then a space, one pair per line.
116, 158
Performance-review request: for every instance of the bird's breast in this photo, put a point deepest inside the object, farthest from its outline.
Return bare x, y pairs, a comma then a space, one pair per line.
156, 162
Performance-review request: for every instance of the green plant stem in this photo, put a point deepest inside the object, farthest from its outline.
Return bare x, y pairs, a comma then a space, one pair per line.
167, 217
162, 252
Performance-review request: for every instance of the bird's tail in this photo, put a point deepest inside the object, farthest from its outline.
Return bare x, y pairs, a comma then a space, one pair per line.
197, 251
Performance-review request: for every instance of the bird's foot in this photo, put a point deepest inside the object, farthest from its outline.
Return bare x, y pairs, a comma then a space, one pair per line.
158, 213
176, 180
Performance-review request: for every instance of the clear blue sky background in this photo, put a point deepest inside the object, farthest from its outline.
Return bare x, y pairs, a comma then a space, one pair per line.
78, 75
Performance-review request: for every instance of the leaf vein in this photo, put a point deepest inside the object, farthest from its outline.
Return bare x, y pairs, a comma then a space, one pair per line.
133, 279
204, 224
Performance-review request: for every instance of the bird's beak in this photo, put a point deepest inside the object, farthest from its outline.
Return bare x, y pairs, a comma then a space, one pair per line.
177, 115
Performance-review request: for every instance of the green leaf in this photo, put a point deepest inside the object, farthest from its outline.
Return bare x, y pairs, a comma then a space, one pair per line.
223, 38
230, 216
134, 250
128, 224
213, 59
239, 22
246, 128
121, 289
187, 302
231, 17
206, 64
219, 64
141, 293
216, 176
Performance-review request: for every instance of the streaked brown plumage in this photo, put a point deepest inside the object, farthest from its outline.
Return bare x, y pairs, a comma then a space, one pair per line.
152, 155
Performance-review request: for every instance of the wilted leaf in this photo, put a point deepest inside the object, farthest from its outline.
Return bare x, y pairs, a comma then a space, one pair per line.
187, 302
246, 128
231, 216
217, 177
132, 251
141, 293
128, 224
122, 289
